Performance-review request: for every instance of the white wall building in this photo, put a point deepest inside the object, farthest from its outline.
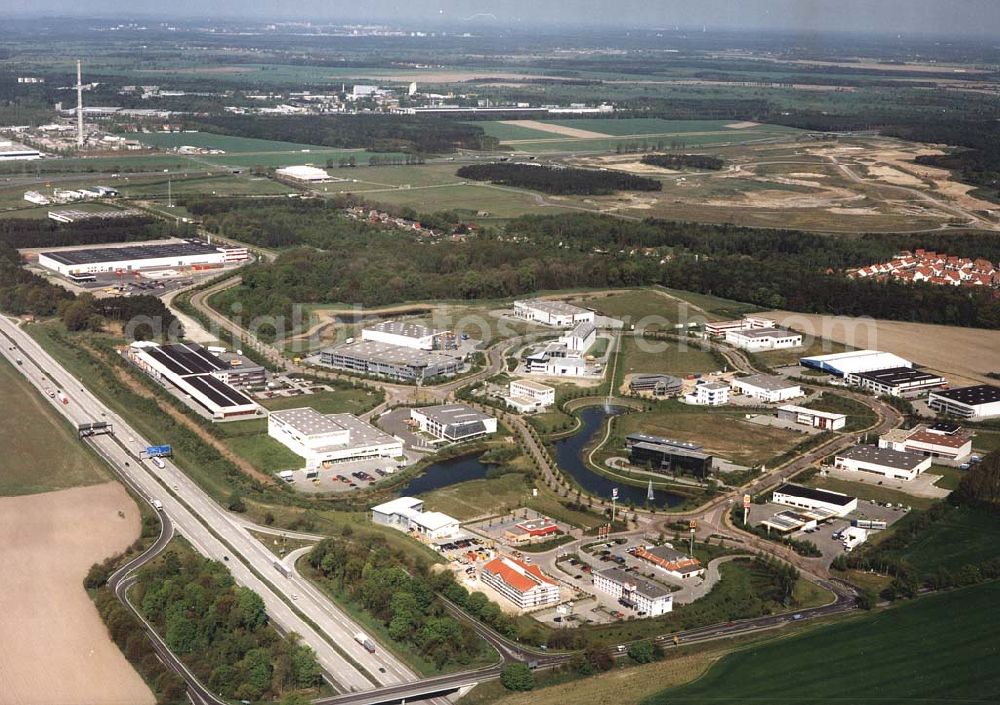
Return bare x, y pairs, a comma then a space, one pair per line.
643, 595
135, 257
523, 584
325, 439
812, 498
882, 461
896, 381
941, 441
453, 422
527, 396
552, 313
407, 514
719, 328
767, 388
581, 338
303, 174
810, 417
763, 339
403, 334
980, 401
843, 364
709, 394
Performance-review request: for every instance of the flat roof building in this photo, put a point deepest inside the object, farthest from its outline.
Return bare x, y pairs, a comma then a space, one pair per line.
708, 393
526, 395
303, 174
552, 313
659, 385
843, 364
763, 339
132, 257
980, 401
195, 372
523, 584
719, 328
882, 461
325, 439
404, 334
767, 388
812, 498
667, 456
453, 422
896, 381
581, 338
407, 514
369, 357
811, 417
638, 593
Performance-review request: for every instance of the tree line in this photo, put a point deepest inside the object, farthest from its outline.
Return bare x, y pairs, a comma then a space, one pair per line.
397, 590
680, 161
420, 134
558, 180
221, 631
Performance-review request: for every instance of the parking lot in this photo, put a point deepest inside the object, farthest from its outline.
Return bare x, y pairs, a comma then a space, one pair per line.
498, 528
343, 477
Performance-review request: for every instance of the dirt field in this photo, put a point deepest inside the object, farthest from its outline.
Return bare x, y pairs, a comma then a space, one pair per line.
742, 125
556, 129
56, 648
961, 355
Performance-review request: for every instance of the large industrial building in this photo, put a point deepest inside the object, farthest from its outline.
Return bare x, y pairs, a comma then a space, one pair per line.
763, 339
196, 372
552, 313
302, 174
11, 151
453, 422
896, 381
407, 514
325, 439
638, 593
980, 401
854, 361
717, 329
409, 335
667, 456
944, 442
889, 463
811, 417
369, 357
127, 258
811, 498
522, 583
767, 388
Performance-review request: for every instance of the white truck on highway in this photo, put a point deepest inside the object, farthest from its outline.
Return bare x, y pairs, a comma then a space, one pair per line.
366, 642
157, 505
158, 462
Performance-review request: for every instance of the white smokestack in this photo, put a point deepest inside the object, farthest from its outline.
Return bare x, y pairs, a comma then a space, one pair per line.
79, 105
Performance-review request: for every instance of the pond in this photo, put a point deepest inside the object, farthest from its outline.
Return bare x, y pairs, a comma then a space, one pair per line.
445, 473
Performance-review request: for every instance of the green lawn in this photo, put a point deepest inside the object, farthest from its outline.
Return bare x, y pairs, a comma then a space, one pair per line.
717, 306
641, 307
950, 477
480, 497
859, 416
939, 649
963, 536
229, 143
666, 357
351, 401
265, 453
41, 451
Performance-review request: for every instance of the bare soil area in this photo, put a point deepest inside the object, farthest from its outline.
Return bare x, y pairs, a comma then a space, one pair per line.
961, 355
55, 648
742, 125
556, 129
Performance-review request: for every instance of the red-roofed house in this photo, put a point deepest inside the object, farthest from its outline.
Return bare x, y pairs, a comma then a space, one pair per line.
523, 584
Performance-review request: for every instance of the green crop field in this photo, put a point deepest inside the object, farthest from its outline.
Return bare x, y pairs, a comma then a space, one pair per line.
503, 131
41, 451
626, 127
229, 143
939, 649
317, 157
220, 185
963, 536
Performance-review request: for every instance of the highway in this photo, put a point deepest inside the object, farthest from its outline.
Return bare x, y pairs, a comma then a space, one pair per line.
292, 603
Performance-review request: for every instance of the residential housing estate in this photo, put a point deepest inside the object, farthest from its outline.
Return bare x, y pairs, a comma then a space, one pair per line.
933, 268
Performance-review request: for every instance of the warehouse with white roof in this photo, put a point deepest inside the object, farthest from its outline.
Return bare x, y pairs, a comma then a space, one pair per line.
552, 313
325, 439
845, 363
407, 514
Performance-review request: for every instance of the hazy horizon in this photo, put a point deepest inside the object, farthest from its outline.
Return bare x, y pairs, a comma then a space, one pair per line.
911, 17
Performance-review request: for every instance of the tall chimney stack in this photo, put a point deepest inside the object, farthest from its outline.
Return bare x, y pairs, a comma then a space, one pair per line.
79, 105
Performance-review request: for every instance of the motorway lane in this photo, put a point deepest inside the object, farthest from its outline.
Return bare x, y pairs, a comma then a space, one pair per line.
83, 407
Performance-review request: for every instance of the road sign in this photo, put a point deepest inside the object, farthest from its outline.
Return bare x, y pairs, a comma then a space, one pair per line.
159, 451
693, 524
614, 493
746, 501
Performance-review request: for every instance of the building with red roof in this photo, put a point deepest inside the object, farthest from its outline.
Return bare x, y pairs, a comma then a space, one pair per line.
522, 583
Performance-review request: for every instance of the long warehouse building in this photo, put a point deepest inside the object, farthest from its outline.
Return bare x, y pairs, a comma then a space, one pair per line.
195, 372
188, 253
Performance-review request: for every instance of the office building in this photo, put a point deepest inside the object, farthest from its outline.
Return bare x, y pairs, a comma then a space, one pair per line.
766, 388
896, 382
368, 357
453, 422
640, 594
978, 402
763, 339
521, 583
667, 456
707, 393
659, 385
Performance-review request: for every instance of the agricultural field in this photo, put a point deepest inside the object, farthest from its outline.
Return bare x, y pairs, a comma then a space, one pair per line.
42, 452
229, 143
964, 536
937, 649
214, 185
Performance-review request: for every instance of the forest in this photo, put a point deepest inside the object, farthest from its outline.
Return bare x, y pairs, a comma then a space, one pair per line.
395, 589
772, 268
34, 232
680, 161
376, 133
558, 180
221, 631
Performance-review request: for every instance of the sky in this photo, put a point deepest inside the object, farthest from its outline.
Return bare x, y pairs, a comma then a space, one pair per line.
980, 17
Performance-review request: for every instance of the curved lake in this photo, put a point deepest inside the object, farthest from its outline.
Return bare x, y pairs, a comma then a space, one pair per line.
569, 456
